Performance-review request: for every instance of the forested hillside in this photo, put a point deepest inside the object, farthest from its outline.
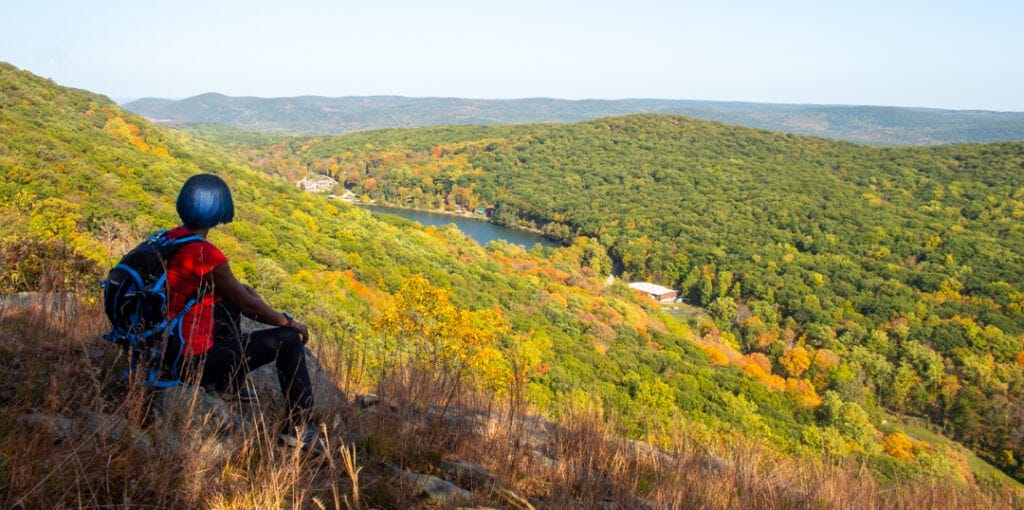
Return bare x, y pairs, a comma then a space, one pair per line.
872, 125
541, 331
893, 277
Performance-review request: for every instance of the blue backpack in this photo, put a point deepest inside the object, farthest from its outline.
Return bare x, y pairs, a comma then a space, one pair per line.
135, 301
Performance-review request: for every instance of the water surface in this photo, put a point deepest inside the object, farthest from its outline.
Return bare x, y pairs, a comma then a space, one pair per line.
480, 231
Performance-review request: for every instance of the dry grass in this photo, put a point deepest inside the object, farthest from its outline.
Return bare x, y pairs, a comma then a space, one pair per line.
595, 470
56, 374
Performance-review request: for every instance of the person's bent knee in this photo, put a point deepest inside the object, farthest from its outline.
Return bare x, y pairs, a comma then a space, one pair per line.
290, 340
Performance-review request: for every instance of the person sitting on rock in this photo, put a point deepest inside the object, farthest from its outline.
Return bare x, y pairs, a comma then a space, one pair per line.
216, 354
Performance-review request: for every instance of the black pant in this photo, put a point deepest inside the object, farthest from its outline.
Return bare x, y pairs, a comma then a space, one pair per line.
234, 354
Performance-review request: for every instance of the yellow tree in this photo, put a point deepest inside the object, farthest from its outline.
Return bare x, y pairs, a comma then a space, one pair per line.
432, 347
899, 445
796, 361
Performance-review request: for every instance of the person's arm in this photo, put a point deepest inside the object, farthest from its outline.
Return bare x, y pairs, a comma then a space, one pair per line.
247, 301
250, 290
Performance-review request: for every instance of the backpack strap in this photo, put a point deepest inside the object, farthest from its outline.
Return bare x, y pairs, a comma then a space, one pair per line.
173, 325
133, 273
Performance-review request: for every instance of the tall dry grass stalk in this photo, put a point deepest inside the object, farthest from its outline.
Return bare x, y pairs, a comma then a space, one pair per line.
424, 415
348, 459
344, 362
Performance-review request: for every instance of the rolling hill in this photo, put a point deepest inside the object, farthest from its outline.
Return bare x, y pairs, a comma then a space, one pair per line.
904, 263
873, 125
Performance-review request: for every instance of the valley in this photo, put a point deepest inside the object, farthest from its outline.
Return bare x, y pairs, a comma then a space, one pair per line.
832, 284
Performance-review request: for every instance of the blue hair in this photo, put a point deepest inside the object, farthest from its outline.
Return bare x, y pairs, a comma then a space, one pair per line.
204, 202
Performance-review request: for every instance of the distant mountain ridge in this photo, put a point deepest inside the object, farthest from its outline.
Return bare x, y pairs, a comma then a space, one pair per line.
315, 115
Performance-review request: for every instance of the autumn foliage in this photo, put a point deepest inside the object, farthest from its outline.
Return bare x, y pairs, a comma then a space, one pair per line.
423, 329
796, 361
900, 445
788, 316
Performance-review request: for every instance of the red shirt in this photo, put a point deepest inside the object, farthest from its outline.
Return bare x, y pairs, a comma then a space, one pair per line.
189, 268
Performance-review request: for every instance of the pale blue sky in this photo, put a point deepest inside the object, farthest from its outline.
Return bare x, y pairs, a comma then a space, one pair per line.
958, 54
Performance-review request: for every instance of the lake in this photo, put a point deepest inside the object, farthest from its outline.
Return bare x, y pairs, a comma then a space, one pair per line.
480, 231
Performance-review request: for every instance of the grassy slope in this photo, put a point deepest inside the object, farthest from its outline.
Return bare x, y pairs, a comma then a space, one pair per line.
982, 470
79, 170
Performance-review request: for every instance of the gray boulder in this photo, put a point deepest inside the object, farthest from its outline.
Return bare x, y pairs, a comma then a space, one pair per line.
191, 408
475, 477
57, 427
468, 474
431, 487
88, 426
114, 427
327, 397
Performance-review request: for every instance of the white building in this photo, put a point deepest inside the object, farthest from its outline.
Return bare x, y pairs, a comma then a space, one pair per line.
657, 292
317, 185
